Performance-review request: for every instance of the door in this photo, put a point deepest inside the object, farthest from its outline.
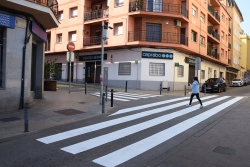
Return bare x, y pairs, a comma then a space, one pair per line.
154, 5
90, 72
98, 72
183, 8
33, 67
191, 74
60, 76
72, 72
183, 36
153, 32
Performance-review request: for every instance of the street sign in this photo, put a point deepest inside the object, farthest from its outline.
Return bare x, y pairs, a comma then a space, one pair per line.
71, 46
197, 63
72, 56
176, 64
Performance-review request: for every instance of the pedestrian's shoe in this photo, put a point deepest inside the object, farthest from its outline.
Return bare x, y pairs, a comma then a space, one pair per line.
201, 106
188, 105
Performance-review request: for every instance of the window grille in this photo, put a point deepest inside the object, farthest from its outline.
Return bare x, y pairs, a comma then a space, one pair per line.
180, 71
202, 74
157, 69
124, 68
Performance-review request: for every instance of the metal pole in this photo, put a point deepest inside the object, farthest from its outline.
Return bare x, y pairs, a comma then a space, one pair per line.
137, 78
69, 70
126, 86
205, 89
106, 93
85, 88
26, 119
111, 97
185, 90
160, 89
103, 103
101, 84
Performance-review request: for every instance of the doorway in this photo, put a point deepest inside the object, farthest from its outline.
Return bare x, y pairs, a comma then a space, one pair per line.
92, 72
72, 72
191, 74
33, 67
60, 76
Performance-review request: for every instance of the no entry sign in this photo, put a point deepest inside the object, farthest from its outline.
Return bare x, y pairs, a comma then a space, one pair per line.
71, 46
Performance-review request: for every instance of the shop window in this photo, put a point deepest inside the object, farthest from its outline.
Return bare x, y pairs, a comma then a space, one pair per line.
124, 68
73, 12
157, 69
180, 71
72, 36
59, 38
118, 29
202, 74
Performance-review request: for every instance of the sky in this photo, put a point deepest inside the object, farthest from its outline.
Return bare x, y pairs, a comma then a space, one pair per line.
245, 11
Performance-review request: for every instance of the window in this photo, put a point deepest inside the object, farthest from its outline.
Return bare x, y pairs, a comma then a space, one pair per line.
202, 40
223, 17
180, 71
194, 11
215, 73
153, 32
124, 68
72, 36
154, 6
193, 36
119, 2
73, 12
202, 18
60, 15
1, 58
157, 69
118, 29
59, 38
202, 74
222, 52
222, 35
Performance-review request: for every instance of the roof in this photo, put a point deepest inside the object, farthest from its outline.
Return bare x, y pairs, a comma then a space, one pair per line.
233, 3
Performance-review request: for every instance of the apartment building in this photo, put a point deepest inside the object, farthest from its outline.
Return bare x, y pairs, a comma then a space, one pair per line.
234, 69
23, 25
245, 54
151, 41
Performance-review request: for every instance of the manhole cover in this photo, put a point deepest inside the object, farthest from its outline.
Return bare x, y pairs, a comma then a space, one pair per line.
225, 150
9, 119
81, 102
69, 112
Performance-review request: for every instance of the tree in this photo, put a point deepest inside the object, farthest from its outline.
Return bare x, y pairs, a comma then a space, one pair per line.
51, 70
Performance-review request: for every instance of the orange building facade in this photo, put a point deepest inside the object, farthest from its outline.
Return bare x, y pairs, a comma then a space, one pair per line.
165, 36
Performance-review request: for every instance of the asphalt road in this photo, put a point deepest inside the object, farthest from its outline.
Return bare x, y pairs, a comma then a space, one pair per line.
129, 138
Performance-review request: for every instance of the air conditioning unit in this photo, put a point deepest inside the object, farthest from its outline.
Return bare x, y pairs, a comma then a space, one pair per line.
177, 23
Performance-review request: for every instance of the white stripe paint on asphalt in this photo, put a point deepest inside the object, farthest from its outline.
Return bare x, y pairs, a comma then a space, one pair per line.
139, 94
122, 155
102, 125
152, 105
123, 97
100, 140
136, 95
113, 98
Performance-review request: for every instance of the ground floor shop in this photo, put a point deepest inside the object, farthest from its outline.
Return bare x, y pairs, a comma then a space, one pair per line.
142, 68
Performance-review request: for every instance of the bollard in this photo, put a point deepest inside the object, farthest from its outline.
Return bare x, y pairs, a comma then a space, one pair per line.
205, 89
103, 103
106, 93
26, 119
85, 88
160, 88
111, 97
126, 86
185, 90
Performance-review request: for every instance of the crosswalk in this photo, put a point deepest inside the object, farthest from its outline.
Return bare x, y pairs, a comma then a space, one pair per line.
212, 105
123, 96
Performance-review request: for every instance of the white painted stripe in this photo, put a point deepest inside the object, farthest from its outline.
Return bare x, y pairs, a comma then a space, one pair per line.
136, 95
113, 98
129, 152
100, 140
124, 93
91, 128
121, 97
152, 105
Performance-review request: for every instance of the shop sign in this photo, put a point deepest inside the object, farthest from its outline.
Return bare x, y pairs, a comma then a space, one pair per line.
190, 61
7, 20
36, 29
157, 55
92, 57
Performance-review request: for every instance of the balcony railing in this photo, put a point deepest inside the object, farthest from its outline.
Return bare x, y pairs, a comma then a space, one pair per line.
215, 14
47, 46
156, 36
96, 14
91, 41
211, 31
212, 53
150, 6
52, 4
229, 45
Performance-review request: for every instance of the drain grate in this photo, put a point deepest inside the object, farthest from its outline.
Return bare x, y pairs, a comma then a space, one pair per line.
9, 119
69, 112
225, 150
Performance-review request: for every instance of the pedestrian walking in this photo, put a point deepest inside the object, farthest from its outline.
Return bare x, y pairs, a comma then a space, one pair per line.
195, 91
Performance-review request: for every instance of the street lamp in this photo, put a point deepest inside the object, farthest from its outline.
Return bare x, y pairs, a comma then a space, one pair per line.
103, 38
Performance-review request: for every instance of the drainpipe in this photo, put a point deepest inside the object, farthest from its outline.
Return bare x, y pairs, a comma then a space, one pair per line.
26, 40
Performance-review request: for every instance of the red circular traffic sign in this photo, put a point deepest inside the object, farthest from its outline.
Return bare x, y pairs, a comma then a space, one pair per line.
71, 46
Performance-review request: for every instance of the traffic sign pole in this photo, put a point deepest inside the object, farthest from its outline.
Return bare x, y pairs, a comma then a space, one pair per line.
71, 48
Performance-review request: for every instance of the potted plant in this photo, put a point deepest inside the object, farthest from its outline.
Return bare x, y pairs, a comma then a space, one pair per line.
138, 4
51, 71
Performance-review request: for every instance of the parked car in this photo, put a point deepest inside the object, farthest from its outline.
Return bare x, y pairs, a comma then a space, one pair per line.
237, 82
214, 85
247, 81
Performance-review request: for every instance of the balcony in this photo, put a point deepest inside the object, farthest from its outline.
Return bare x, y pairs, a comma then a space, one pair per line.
229, 46
156, 36
212, 53
213, 33
158, 7
214, 14
92, 41
96, 14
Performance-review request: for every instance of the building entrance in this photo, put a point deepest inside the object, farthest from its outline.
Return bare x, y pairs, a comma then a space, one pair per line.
92, 72
191, 74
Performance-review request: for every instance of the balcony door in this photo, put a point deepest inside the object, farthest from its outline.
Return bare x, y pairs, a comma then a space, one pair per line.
154, 5
153, 32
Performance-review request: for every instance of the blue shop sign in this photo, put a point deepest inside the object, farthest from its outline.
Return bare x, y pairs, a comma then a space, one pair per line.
36, 29
7, 20
157, 55
92, 57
